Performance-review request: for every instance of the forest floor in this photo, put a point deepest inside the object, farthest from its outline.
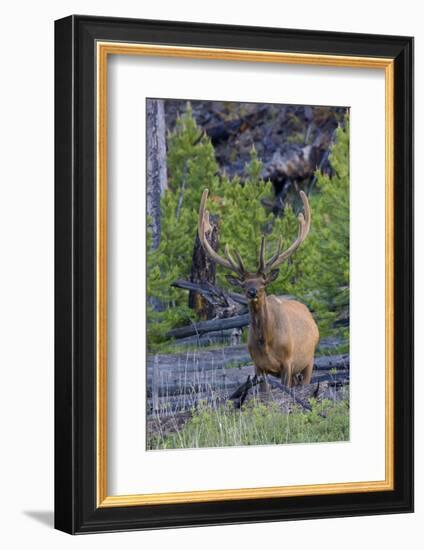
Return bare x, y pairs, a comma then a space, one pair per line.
192, 388
168, 431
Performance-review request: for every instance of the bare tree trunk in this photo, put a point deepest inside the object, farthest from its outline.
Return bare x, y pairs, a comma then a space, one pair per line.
156, 164
203, 270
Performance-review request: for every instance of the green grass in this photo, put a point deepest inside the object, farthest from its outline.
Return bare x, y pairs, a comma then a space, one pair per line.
259, 424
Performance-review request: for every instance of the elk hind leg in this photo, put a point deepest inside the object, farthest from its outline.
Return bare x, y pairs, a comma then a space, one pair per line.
287, 375
264, 386
307, 372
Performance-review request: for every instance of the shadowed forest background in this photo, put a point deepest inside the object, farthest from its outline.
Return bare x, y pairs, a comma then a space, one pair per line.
254, 159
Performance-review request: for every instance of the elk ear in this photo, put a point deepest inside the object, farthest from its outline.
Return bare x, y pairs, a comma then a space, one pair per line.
272, 276
234, 281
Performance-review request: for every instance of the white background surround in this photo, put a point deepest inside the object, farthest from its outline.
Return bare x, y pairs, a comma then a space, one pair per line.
26, 290
130, 81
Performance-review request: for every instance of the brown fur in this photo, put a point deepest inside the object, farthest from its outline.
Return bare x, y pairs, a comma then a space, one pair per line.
282, 338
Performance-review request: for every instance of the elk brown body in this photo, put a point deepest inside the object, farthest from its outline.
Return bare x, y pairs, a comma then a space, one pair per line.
282, 339
282, 332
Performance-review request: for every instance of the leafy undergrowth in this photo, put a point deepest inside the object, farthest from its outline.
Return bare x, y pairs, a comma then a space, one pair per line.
258, 424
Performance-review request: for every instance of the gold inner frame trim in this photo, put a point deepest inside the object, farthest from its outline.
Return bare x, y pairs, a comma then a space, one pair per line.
103, 50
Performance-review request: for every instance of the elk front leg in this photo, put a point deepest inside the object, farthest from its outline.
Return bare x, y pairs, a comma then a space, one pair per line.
287, 374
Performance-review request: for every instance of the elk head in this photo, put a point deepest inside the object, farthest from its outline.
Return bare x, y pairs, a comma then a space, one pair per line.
253, 283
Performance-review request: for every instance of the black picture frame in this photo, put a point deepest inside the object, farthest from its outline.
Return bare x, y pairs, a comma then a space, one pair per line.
76, 510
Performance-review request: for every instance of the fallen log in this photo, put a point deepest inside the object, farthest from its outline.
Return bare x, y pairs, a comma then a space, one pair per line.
225, 381
207, 339
327, 362
234, 390
238, 397
207, 326
200, 361
223, 337
236, 356
206, 387
206, 381
342, 377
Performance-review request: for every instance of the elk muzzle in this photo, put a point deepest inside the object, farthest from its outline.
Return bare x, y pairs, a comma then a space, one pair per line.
252, 293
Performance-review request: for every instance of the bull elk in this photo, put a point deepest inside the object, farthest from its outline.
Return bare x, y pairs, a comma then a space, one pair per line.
282, 333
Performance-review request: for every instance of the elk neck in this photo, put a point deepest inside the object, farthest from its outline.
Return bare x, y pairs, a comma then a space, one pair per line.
259, 319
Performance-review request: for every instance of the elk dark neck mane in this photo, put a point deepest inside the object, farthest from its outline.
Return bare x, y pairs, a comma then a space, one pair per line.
259, 321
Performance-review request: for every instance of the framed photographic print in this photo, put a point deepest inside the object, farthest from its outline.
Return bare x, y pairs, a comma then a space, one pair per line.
234, 269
